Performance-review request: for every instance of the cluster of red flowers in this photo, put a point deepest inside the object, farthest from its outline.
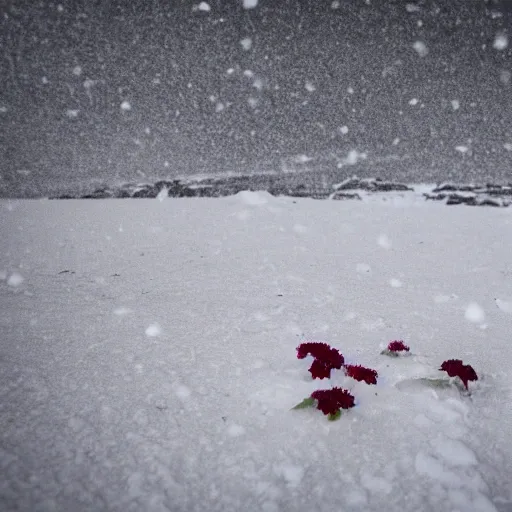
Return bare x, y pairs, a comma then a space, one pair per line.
456, 368
361, 373
398, 346
325, 358
331, 401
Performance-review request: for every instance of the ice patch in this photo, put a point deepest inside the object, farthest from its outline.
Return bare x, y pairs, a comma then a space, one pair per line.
153, 330
15, 279
395, 283
384, 241
474, 313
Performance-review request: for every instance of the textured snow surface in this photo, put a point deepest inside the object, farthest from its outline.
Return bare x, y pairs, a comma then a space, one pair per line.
147, 355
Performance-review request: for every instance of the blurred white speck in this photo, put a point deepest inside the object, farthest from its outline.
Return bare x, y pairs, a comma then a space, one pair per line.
363, 268
395, 283
248, 73
163, 194
335, 4
455, 104
246, 43
414, 101
249, 4
508, 146
44, 80
60, 8
122, 311
183, 392
350, 90
474, 313
72, 113
396, 141
419, 23
462, 149
125, 105
258, 84
384, 241
344, 130
153, 330
230, 71
15, 279
205, 7
412, 8
236, 430
310, 87
505, 76
219, 107
500, 41
77, 70
420, 48
253, 102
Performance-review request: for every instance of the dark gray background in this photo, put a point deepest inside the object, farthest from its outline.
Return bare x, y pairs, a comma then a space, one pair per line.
67, 68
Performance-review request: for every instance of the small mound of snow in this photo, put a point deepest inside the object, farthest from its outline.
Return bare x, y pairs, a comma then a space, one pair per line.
253, 198
15, 279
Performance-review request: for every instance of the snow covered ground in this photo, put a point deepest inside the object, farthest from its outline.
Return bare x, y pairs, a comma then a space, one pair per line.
148, 362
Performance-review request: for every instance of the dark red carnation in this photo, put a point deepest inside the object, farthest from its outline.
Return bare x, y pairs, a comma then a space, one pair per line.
397, 346
330, 401
326, 358
456, 368
361, 373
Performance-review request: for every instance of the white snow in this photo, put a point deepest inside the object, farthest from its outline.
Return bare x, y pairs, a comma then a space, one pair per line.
246, 43
15, 279
95, 415
126, 106
462, 149
421, 48
249, 4
500, 42
344, 129
455, 104
204, 6
474, 313
310, 86
413, 101
504, 305
384, 241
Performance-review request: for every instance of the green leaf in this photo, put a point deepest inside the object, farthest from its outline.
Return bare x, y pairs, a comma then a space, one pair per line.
335, 416
307, 402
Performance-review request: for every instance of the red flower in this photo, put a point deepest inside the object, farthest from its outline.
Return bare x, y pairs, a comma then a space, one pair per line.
326, 358
361, 373
331, 400
397, 346
456, 368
